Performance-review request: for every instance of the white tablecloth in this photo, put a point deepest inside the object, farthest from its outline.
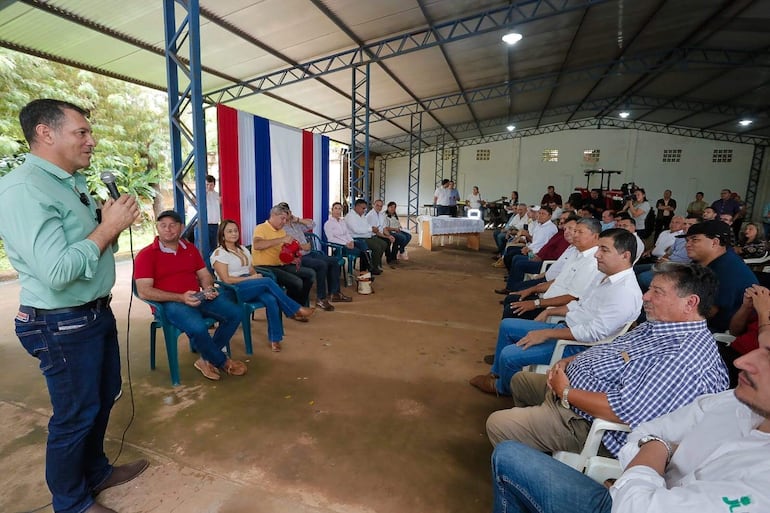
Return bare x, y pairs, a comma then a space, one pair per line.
445, 225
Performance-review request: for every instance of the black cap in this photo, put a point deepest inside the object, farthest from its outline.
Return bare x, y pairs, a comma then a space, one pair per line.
714, 229
170, 213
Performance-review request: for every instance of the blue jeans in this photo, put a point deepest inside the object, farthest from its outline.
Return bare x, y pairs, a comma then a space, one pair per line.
527, 480
501, 238
327, 273
298, 282
275, 300
402, 239
510, 358
190, 320
80, 359
520, 265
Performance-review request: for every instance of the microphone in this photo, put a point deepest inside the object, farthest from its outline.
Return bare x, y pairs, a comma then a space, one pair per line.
109, 180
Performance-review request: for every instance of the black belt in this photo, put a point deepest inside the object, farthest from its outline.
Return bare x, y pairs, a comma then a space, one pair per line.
97, 304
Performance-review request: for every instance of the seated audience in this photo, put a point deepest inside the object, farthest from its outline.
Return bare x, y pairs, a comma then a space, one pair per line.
401, 236
337, 232
516, 222
378, 221
611, 300
360, 228
660, 366
664, 241
569, 285
326, 268
526, 263
232, 265
751, 243
625, 221
172, 271
536, 235
608, 219
709, 456
707, 245
676, 253
269, 239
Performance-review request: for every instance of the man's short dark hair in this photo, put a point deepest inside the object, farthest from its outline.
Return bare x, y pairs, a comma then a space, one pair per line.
593, 224
445, 181
691, 279
211, 179
358, 202
547, 209
624, 215
622, 240
572, 217
47, 112
699, 192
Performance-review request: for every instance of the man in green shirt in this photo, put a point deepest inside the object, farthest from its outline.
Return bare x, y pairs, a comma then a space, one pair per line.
64, 258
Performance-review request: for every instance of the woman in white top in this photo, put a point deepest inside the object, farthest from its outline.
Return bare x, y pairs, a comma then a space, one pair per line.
394, 228
475, 200
638, 208
232, 265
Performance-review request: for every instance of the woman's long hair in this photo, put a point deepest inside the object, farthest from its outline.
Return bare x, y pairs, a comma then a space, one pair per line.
394, 210
239, 250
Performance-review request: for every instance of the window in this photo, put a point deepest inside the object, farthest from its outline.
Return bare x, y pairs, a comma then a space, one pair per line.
448, 154
591, 156
483, 154
550, 155
722, 155
672, 155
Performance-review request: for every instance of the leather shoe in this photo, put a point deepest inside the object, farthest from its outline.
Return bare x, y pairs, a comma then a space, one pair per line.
234, 367
339, 297
504, 292
489, 359
303, 314
376, 271
486, 383
120, 474
98, 508
324, 305
207, 369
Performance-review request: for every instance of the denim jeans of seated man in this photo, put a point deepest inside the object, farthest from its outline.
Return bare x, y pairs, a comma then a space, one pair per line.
275, 300
80, 359
510, 358
527, 480
190, 320
327, 273
520, 265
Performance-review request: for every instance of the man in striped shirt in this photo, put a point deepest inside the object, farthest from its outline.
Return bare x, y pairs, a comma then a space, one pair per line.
660, 366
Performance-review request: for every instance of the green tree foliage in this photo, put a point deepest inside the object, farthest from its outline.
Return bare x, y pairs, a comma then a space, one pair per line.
129, 122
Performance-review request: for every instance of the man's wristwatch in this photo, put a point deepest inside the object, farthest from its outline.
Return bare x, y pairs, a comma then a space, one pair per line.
537, 303
655, 438
565, 397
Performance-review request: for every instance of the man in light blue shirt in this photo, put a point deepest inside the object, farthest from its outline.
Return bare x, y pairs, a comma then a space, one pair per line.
64, 257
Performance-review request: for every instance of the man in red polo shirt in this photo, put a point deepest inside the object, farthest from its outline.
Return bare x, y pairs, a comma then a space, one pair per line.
171, 270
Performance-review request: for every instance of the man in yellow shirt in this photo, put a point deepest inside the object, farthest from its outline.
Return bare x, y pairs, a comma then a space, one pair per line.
269, 238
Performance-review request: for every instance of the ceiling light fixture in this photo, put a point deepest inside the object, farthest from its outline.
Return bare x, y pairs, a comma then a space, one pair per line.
511, 128
512, 38
745, 122
624, 114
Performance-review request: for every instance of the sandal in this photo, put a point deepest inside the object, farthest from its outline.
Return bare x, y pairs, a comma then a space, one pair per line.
275, 347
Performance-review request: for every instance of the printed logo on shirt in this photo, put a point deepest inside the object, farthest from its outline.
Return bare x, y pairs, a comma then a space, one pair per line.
737, 503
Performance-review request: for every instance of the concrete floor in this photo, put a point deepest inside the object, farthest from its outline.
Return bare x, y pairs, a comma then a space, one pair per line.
367, 409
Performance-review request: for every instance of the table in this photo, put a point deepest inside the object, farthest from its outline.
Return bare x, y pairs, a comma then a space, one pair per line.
429, 226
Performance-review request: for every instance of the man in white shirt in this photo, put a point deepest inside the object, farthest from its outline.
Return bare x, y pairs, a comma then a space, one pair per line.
611, 300
709, 456
537, 235
666, 238
441, 198
213, 211
361, 229
515, 223
625, 221
571, 283
378, 221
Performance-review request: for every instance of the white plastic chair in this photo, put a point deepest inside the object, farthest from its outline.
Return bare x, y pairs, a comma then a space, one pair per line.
725, 338
558, 351
543, 268
598, 468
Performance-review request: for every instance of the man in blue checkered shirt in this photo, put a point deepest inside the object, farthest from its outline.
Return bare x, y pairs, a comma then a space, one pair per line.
663, 364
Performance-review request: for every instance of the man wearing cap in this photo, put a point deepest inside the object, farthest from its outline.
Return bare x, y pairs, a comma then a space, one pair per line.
327, 268
172, 271
707, 244
269, 239
64, 256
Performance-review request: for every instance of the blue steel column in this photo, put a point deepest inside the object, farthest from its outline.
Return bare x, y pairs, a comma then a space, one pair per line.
454, 162
359, 150
383, 168
186, 103
439, 174
415, 143
751, 189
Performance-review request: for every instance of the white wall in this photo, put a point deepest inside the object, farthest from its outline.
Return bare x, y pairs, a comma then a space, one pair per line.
517, 164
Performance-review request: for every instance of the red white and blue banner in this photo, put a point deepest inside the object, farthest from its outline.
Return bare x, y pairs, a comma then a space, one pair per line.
262, 163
